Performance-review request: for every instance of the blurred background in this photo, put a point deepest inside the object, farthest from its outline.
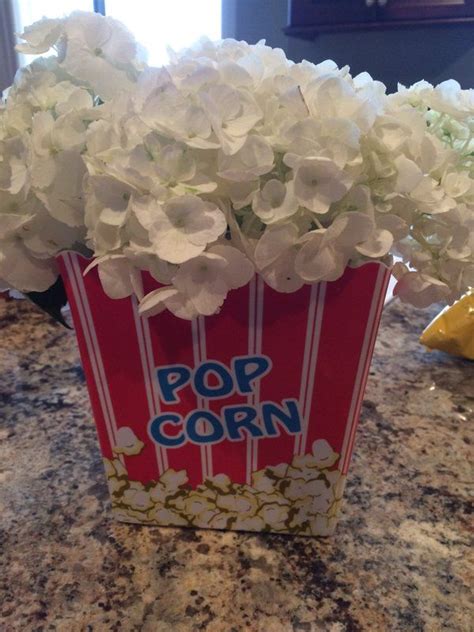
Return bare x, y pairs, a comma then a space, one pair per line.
394, 40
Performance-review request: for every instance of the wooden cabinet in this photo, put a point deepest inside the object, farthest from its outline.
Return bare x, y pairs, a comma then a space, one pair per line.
308, 17
425, 9
330, 12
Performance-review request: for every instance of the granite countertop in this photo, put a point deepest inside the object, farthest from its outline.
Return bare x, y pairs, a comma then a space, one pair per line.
399, 559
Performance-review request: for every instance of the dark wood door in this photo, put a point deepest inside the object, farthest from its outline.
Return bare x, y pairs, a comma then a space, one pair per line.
306, 13
424, 9
307, 18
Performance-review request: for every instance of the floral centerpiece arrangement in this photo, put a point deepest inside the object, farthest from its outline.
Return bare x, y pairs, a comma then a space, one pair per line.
229, 163
230, 160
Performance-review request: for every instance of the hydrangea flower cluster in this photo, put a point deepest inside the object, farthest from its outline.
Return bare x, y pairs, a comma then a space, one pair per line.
229, 161
43, 127
302, 497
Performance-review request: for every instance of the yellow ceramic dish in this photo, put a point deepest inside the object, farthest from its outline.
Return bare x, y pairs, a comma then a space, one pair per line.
453, 330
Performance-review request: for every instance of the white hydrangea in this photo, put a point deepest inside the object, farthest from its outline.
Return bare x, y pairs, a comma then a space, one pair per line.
228, 161
43, 128
183, 227
96, 50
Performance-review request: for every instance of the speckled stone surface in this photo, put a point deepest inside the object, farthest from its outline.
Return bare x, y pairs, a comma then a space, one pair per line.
399, 561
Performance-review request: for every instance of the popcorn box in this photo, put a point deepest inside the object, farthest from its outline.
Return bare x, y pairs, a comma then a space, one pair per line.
243, 420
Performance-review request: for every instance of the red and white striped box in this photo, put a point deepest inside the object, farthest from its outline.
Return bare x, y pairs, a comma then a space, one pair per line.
244, 420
